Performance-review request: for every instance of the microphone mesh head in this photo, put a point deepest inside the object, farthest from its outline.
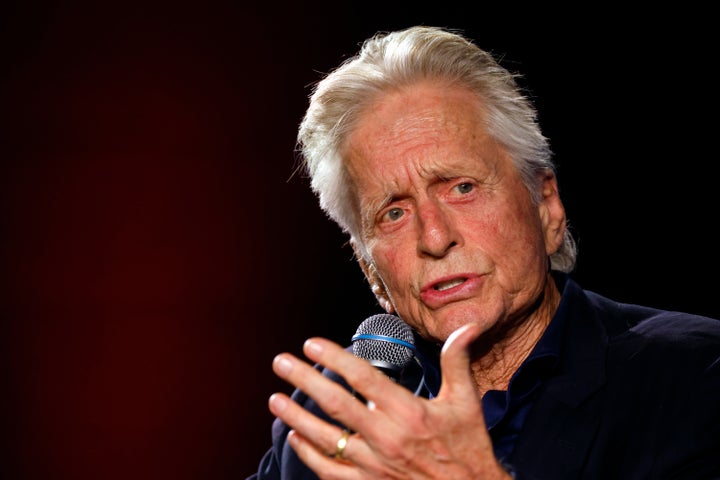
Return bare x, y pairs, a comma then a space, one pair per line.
381, 351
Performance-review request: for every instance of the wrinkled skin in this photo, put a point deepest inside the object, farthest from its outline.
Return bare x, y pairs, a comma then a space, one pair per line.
458, 249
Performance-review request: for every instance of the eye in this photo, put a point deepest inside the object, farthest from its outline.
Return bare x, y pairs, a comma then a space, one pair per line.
394, 214
465, 188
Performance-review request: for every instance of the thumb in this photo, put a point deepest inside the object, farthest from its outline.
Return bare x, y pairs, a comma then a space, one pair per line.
455, 362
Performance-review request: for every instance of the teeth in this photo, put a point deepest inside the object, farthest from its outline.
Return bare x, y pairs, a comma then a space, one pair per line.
445, 285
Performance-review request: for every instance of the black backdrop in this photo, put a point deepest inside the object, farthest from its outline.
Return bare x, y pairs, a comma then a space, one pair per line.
157, 251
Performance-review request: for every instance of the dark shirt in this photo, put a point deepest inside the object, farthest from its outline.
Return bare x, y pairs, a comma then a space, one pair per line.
505, 411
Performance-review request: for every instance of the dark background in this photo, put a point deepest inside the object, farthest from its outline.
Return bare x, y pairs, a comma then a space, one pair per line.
157, 251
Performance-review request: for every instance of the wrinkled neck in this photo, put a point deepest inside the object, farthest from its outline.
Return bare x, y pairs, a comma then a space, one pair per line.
498, 353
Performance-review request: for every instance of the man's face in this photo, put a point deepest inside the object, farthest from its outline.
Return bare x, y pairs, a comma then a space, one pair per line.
450, 228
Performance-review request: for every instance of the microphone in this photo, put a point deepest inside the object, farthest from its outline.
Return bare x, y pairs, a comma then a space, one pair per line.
385, 341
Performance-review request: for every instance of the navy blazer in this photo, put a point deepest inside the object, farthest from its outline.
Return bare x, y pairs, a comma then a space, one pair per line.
636, 395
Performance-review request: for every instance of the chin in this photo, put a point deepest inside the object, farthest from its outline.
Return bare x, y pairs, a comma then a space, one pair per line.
450, 321
439, 332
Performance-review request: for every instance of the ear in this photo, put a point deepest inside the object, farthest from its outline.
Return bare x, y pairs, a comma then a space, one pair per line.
373, 277
552, 214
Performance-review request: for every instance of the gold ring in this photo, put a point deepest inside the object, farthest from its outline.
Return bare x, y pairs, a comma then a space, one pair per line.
342, 443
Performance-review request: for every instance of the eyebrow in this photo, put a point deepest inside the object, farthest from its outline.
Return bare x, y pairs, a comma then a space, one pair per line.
436, 174
375, 206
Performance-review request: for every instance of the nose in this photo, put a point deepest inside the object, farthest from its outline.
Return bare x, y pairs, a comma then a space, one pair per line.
437, 233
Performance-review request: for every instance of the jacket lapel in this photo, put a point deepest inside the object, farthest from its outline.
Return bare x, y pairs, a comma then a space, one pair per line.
562, 424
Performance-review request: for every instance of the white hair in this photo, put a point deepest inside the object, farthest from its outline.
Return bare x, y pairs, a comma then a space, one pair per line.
388, 61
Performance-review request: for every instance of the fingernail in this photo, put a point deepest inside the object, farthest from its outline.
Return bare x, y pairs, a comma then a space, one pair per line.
282, 365
293, 438
312, 347
277, 403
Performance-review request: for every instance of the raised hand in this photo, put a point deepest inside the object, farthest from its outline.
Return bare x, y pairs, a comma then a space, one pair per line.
395, 434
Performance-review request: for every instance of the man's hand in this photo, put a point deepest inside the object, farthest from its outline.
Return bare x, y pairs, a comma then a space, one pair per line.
396, 434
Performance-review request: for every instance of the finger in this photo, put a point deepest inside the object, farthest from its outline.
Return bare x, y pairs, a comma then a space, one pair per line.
377, 388
330, 396
318, 438
373, 426
455, 362
326, 467
321, 433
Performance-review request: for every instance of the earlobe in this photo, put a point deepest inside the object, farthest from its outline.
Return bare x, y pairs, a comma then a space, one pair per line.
377, 286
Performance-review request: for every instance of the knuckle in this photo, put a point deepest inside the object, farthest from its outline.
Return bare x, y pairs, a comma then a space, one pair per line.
333, 405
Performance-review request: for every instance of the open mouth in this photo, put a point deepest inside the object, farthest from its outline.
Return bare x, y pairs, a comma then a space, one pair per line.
442, 286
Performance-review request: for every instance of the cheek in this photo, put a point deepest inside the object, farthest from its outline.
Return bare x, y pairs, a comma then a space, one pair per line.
391, 265
509, 236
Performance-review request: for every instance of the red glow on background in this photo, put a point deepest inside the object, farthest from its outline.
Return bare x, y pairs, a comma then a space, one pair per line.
134, 195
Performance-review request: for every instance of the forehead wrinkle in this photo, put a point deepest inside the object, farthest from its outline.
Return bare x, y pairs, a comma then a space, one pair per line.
409, 125
421, 167
417, 138
422, 131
